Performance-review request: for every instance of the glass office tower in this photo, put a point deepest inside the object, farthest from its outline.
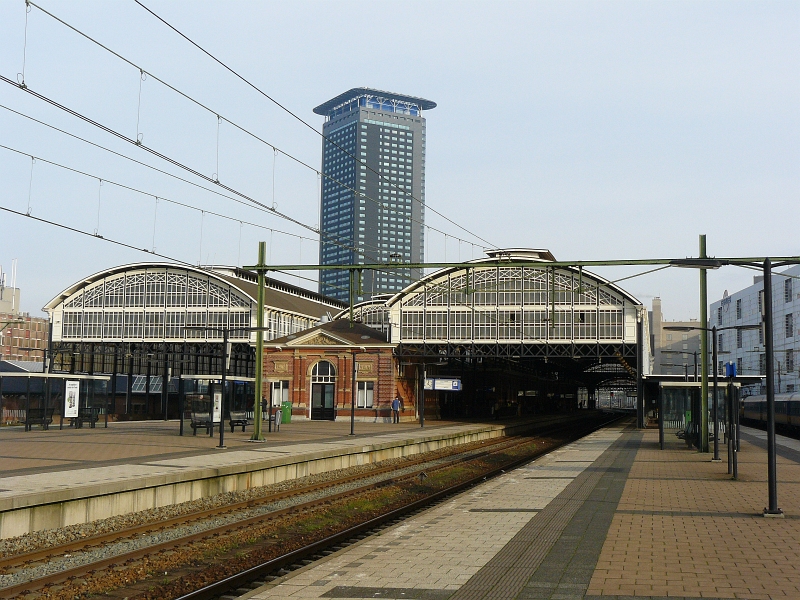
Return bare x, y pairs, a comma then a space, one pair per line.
373, 192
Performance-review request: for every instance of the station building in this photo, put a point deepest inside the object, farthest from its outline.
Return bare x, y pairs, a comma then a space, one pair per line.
518, 335
151, 325
512, 334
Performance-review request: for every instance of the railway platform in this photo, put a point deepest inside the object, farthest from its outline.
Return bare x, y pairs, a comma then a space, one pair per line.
610, 515
56, 478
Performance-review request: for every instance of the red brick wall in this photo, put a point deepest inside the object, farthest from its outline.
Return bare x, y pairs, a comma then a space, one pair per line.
375, 365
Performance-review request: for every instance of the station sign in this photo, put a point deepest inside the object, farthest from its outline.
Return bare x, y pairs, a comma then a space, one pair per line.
449, 384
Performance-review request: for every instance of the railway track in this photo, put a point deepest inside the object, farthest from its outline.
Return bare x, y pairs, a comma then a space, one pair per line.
128, 558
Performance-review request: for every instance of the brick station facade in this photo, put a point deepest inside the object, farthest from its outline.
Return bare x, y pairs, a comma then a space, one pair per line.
314, 371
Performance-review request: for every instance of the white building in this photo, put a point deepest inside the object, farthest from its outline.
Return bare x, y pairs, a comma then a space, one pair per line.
746, 348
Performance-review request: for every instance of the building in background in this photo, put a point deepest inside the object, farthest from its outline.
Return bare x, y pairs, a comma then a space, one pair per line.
674, 352
23, 337
9, 295
746, 347
372, 207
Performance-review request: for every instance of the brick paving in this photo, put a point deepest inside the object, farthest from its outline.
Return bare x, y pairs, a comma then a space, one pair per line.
684, 528
608, 516
136, 442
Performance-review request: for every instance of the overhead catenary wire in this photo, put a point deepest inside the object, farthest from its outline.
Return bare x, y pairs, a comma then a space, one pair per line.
157, 198
242, 195
150, 194
183, 262
131, 246
30, 184
161, 171
640, 274
304, 122
243, 130
99, 198
21, 76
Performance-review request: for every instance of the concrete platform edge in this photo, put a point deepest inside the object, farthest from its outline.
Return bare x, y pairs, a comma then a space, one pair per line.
85, 503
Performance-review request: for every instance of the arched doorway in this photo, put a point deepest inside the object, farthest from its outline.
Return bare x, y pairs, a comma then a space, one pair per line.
323, 391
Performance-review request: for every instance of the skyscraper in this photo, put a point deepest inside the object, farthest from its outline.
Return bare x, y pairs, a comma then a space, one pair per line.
372, 208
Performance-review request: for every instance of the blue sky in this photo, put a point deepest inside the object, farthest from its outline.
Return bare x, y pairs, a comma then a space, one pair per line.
598, 130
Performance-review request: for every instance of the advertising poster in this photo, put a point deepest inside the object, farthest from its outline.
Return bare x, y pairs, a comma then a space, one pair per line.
72, 395
216, 414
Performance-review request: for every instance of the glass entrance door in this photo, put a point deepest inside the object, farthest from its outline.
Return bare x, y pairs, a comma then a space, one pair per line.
322, 405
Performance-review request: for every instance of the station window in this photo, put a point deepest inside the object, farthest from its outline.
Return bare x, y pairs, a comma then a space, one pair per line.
366, 394
787, 290
280, 392
789, 325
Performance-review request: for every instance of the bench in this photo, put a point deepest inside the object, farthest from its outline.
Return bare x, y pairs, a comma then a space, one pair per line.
237, 418
36, 416
92, 415
201, 419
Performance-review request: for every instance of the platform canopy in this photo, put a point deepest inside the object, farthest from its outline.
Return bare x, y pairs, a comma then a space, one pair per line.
528, 312
167, 319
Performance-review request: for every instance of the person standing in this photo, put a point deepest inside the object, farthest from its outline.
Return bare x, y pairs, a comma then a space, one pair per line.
396, 410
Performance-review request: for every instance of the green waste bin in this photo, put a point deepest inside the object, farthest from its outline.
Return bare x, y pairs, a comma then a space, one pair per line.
286, 412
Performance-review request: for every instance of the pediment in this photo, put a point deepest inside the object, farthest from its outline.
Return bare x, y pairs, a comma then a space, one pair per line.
318, 338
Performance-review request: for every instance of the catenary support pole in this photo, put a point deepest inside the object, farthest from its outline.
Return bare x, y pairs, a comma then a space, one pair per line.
181, 402
353, 396
259, 374
714, 399
165, 383
114, 369
640, 368
422, 397
703, 447
129, 385
772, 470
661, 418
222, 402
729, 424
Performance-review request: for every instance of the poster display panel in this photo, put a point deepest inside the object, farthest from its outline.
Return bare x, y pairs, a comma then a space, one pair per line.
72, 398
216, 414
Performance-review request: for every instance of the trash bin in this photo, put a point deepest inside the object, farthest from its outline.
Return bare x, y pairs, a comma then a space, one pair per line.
286, 412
